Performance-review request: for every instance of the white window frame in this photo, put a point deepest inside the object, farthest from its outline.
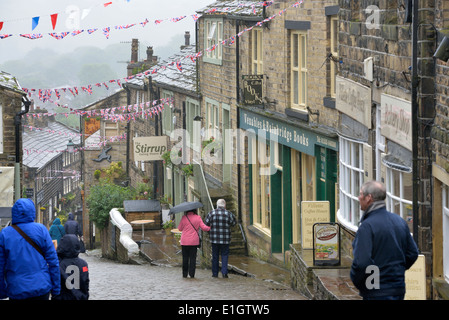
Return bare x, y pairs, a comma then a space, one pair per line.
400, 198
445, 223
257, 51
213, 35
299, 67
167, 114
193, 109
212, 117
351, 179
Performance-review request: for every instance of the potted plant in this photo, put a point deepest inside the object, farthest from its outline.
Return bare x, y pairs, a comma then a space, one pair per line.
167, 226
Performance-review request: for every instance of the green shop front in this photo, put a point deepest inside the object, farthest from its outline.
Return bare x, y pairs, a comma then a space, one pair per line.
288, 164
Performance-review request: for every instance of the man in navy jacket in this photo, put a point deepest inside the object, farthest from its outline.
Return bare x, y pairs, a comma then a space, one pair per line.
383, 248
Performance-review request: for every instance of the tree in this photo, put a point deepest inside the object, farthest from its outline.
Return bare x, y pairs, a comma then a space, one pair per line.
104, 197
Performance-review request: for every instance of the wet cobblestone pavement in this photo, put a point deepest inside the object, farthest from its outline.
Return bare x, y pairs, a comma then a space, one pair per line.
110, 280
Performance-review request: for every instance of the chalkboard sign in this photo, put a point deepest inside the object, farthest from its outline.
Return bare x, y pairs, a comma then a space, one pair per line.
252, 89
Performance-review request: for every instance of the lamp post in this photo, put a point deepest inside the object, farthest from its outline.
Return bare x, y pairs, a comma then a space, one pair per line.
70, 146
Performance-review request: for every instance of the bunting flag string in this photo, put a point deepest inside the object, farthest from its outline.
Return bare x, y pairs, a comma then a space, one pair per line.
155, 69
106, 30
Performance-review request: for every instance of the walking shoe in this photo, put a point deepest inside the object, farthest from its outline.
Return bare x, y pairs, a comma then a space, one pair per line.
215, 276
225, 276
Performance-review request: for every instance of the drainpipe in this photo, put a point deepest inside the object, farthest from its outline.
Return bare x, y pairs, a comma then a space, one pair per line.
237, 79
415, 81
18, 124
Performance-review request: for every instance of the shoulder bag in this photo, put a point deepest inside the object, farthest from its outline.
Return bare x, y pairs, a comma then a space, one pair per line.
27, 238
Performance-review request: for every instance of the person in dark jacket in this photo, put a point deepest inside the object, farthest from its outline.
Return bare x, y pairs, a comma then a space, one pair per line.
383, 248
25, 273
71, 226
57, 230
74, 270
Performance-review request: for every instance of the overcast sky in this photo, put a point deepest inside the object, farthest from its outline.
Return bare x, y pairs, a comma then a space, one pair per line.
17, 19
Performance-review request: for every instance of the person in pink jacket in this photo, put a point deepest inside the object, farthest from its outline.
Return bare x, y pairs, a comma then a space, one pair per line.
189, 225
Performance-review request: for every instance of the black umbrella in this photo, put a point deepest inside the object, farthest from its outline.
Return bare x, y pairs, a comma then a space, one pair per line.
186, 206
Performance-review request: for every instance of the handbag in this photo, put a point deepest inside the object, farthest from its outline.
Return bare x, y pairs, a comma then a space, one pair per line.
28, 239
197, 231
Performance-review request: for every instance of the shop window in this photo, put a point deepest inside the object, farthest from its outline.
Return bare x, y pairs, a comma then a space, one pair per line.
256, 52
261, 187
400, 194
298, 42
445, 197
351, 179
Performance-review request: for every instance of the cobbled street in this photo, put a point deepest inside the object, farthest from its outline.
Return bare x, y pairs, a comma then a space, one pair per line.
110, 280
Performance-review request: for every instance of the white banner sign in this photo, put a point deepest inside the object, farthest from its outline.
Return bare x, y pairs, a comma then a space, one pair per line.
396, 120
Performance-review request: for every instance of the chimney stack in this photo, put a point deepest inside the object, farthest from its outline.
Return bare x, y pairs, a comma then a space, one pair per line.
134, 50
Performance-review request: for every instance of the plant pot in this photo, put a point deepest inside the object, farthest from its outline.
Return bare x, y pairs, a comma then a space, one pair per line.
167, 231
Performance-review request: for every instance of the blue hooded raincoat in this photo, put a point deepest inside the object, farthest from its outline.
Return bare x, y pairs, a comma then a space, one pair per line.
25, 272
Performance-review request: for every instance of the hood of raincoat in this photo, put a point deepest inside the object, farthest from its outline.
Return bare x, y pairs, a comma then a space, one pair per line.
23, 211
71, 216
57, 222
68, 247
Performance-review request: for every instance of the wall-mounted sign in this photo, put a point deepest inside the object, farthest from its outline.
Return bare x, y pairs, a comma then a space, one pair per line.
149, 148
354, 100
326, 244
252, 89
312, 212
396, 120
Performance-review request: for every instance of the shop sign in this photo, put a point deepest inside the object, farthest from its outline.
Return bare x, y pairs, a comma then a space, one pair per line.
415, 280
354, 100
326, 244
252, 89
296, 138
396, 120
149, 148
312, 212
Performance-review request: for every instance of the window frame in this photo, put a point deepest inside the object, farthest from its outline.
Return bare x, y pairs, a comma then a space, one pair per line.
334, 51
351, 179
445, 225
257, 51
167, 113
299, 92
213, 35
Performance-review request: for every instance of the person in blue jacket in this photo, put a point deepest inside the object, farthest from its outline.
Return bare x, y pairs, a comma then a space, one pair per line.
57, 230
25, 273
383, 248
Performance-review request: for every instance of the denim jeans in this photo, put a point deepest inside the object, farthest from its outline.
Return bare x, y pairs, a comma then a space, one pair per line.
216, 250
400, 297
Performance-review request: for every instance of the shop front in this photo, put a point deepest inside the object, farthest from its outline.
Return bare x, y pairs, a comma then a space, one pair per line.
288, 164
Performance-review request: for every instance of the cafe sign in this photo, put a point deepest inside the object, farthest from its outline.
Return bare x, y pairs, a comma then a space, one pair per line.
396, 120
149, 148
252, 89
312, 212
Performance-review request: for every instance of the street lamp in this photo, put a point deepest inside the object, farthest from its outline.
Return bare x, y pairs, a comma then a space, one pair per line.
70, 146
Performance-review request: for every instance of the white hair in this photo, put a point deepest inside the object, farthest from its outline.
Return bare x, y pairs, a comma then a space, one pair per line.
221, 203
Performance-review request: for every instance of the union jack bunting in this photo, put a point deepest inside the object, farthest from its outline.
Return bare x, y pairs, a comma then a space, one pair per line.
32, 36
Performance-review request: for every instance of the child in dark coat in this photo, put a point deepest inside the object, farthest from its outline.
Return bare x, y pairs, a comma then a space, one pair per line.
74, 270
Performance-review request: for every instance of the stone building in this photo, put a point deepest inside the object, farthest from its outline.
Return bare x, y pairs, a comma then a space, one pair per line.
385, 116
12, 98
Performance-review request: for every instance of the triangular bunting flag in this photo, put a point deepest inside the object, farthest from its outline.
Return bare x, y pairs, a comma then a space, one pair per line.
54, 18
1, 25
34, 22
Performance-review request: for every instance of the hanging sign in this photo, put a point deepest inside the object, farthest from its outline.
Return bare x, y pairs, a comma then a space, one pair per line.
149, 148
252, 89
326, 244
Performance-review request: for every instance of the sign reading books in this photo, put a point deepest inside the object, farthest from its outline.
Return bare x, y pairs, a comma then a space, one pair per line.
326, 244
252, 89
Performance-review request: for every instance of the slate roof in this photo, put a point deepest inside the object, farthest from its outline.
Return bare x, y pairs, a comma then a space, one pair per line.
49, 144
141, 205
9, 81
234, 8
168, 74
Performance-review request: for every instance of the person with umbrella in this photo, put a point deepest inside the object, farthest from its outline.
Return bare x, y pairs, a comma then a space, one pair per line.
189, 226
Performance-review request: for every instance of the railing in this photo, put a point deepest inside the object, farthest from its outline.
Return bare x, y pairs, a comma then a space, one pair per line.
126, 231
200, 182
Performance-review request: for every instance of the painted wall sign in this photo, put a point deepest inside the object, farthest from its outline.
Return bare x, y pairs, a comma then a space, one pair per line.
354, 100
326, 244
396, 120
415, 280
252, 89
149, 148
312, 212
296, 138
